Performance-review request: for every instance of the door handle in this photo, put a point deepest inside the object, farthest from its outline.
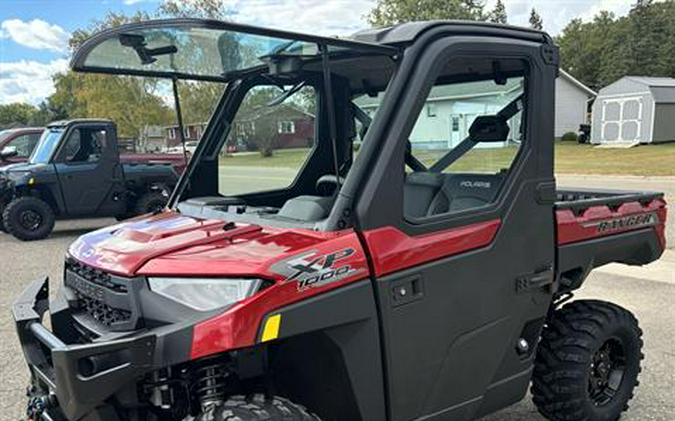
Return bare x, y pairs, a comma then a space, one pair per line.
535, 280
407, 290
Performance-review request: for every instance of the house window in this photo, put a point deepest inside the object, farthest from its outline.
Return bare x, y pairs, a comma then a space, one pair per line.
455, 123
431, 110
286, 127
186, 132
172, 133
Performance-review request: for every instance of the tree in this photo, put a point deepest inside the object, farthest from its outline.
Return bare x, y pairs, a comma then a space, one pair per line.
603, 50
203, 9
198, 100
535, 20
16, 114
498, 14
392, 12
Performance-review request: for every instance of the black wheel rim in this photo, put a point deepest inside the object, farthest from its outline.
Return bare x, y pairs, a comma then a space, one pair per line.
30, 219
155, 207
608, 366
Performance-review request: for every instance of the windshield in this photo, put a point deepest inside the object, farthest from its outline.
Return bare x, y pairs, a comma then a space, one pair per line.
202, 50
46, 146
4, 134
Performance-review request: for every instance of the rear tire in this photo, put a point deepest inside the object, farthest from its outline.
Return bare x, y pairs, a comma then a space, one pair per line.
587, 363
150, 202
28, 218
257, 408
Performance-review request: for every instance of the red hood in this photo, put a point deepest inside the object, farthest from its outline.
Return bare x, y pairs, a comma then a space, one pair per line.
173, 244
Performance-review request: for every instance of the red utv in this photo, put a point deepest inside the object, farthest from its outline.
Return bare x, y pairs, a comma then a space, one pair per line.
426, 277
16, 145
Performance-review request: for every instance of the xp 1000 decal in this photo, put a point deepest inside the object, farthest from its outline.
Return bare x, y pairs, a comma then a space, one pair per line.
312, 269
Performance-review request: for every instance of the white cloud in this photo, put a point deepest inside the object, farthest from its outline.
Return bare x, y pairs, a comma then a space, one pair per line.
343, 17
28, 81
36, 34
335, 17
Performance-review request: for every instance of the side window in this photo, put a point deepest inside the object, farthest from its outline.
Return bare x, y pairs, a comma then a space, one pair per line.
464, 153
25, 144
272, 136
84, 145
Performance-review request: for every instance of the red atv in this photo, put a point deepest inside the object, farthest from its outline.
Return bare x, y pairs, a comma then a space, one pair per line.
420, 277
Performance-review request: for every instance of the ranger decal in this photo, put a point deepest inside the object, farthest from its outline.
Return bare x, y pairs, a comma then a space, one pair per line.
633, 221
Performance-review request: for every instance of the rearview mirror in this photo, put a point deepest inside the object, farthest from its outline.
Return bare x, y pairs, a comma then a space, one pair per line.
489, 128
8, 152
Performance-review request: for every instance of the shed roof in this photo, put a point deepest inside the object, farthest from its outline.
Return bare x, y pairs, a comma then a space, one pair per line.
653, 81
662, 88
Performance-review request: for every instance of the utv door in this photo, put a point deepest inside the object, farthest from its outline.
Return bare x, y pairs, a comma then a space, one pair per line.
462, 246
89, 171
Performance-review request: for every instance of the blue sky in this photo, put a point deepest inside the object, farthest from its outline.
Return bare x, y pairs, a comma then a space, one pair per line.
34, 33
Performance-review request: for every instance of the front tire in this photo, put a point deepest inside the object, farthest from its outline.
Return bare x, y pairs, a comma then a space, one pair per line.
150, 202
28, 218
257, 408
587, 363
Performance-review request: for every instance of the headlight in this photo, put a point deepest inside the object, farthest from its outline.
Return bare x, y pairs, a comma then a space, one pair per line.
204, 294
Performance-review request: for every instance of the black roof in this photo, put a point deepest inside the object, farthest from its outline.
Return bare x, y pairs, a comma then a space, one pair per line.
406, 33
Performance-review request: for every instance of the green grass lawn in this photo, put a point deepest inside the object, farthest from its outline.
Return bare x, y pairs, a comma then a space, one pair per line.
570, 158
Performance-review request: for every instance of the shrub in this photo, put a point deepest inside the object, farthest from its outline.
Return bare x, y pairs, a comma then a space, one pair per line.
569, 137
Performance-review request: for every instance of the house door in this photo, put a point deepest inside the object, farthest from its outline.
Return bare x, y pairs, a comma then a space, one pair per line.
621, 119
455, 134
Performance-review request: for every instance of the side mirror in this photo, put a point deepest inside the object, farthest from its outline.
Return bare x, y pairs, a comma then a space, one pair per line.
489, 128
8, 152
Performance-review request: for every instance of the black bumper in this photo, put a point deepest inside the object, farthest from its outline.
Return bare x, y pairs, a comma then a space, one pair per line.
68, 371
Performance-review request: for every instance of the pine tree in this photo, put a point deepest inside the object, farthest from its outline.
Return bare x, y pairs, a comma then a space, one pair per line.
498, 14
535, 20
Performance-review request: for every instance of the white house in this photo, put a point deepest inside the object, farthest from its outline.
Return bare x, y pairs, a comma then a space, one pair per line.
571, 104
450, 109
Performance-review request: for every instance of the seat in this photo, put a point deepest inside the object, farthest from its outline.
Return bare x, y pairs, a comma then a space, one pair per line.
307, 208
467, 191
429, 193
421, 194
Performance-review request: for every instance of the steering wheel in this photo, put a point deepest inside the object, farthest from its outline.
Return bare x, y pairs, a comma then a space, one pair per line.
327, 185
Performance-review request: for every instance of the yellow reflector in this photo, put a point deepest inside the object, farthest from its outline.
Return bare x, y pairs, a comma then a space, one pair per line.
271, 330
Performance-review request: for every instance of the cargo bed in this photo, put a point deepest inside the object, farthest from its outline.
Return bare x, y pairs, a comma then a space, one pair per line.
596, 227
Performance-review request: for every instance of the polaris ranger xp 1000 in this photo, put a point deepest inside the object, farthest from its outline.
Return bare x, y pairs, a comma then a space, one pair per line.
421, 275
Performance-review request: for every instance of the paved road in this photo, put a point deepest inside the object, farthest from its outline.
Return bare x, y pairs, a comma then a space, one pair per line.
651, 300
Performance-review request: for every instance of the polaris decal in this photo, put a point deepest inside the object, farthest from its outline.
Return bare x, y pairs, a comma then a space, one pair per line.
617, 224
475, 184
311, 270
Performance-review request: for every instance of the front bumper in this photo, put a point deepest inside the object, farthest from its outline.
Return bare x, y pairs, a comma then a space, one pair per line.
82, 377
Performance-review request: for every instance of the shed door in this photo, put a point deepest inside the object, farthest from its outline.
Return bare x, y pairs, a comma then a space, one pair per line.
621, 119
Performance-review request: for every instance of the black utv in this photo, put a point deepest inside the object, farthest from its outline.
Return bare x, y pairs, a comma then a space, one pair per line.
76, 171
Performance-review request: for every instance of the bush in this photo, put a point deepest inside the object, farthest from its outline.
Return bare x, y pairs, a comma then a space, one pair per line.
569, 137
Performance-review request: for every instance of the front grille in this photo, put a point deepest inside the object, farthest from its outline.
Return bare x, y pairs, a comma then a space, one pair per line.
102, 312
94, 275
102, 296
